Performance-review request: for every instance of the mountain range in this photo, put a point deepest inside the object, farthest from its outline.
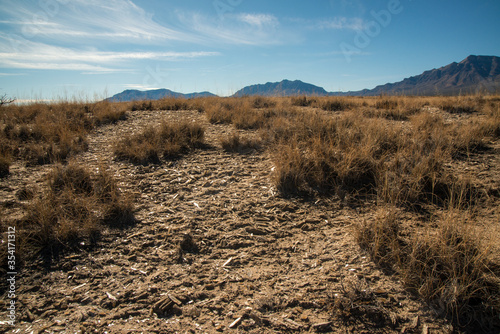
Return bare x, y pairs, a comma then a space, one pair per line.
156, 94
471, 75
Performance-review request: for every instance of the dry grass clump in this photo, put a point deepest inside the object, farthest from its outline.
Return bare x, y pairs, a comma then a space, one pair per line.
336, 104
387, 103
446, 265
261, 102
72, 212
241, 144
5, 162
358, 304
393, 108
222, 112
174, 104
243, 113
326, 154
45, 133
302, 101
168, 140
399, 162
42, 133
106, 112
462, 104
330, 154
167, 103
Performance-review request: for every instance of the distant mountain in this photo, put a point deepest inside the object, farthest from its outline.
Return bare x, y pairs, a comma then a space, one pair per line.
283, 88
471, 75
137, 95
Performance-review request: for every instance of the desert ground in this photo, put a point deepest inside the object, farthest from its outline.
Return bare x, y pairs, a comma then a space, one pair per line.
237, 234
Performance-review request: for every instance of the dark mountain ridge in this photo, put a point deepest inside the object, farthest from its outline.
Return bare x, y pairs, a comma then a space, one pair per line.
283, 88
474, 74
156, 94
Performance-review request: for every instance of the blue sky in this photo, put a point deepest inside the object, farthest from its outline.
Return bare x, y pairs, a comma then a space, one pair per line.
89, 49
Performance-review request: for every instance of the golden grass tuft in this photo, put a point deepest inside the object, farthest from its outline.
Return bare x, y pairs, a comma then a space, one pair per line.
76, 206
42, 133
240, 144
169, 140
447, 265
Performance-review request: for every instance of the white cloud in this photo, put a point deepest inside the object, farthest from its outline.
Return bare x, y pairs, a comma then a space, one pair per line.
92, 19
341, 23
26, 54
11, 74
259, 20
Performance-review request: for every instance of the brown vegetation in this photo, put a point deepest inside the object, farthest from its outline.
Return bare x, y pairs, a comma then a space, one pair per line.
400, 158
167, 140
43, 133
71, 212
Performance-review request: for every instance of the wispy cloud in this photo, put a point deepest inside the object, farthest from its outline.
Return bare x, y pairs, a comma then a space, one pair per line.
34, 55
259, 20
118, 19
341, 23
237, 29
86, 35
11, 74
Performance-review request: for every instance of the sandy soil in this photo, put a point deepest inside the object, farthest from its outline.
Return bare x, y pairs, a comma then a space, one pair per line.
216, 249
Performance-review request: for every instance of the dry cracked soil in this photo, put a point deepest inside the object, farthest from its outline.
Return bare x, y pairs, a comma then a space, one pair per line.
215, 249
